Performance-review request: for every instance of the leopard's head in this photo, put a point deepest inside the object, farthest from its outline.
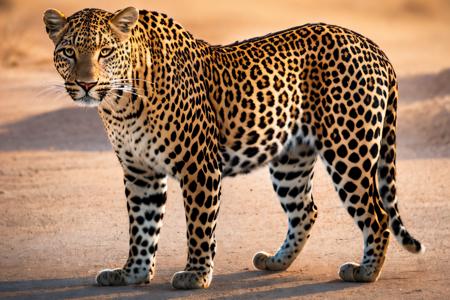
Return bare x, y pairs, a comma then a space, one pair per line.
92, 51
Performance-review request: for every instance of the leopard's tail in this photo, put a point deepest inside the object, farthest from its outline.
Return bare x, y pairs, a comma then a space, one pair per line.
387, 175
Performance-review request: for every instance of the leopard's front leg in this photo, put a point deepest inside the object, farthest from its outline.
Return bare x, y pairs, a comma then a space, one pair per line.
201, 190
146, 198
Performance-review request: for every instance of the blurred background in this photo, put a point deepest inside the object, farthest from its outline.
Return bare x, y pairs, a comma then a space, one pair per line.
415, 34
62, 210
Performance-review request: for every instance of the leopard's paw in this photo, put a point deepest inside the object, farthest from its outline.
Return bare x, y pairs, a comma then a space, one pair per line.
187, 280
353, 272
265, 261
115, 277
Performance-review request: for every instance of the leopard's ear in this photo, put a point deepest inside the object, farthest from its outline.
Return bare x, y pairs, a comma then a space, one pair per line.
124, 21
55, 22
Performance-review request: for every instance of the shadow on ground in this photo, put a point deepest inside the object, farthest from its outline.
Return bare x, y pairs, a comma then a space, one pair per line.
424, 86
76, 129
224, 287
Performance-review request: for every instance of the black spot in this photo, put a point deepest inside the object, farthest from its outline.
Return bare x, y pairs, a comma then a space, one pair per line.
192, 168
354, 157
135, 170
149, 216
235, 161
201, 177
342, 151
200, 199
295, 221
360, 211
151, 230
292, 175
350, 187
351, 211
396, 226
140, 183
291, 206
203, 218
361, 225
342, 195
354, 173
193, 186
294, 192
354, 199
363, 150
262, 158
205, 246
134, 230
282, 191
194, 214
329, 156
251, 151
366, 165
374, 150
341, 167
209, 183
336, 178
156, 199
199, 232
375, 226
352, 144
369, 135
361, 133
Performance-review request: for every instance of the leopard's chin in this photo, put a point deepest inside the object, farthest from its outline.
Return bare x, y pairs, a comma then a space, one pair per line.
88, 101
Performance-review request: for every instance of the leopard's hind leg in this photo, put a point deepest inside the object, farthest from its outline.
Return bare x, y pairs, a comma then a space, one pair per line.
354, 177
291, 176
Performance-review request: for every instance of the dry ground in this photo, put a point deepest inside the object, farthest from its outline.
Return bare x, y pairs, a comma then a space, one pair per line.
62, 209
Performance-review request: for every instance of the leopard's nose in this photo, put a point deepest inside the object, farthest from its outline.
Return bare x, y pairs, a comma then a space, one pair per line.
86, 85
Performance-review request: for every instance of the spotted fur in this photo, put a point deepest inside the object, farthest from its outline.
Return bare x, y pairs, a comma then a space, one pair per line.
176, 106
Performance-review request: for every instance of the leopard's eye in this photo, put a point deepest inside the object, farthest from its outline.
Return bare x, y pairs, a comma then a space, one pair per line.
69, 52
105, 52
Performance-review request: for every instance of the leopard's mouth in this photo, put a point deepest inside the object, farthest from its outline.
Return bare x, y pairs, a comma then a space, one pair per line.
91, 97
87, 101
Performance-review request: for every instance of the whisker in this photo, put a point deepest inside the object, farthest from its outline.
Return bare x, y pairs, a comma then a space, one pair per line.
127, 87
131, 80
51, 93
128, 91
50, 90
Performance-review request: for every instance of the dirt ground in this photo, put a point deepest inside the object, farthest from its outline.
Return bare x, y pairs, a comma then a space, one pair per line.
62, 209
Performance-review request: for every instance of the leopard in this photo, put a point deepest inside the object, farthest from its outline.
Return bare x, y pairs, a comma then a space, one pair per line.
176, 106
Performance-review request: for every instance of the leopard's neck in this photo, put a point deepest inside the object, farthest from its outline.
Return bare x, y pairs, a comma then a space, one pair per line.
169, 73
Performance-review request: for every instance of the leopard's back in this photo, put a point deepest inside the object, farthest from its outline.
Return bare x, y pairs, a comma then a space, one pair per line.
286, 88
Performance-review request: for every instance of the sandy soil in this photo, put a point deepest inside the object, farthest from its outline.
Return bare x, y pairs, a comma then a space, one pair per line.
62, 209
